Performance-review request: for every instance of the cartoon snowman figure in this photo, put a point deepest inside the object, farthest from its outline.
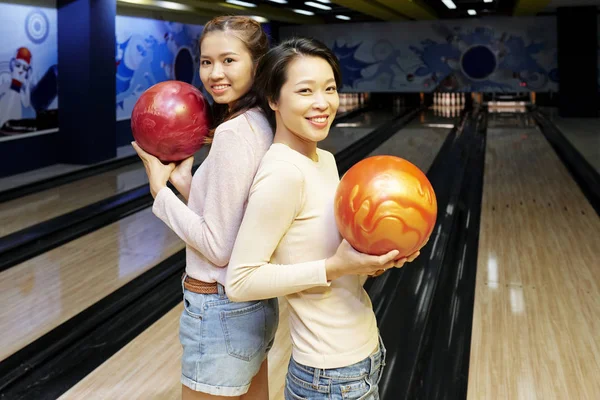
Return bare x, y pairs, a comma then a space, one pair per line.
14, 93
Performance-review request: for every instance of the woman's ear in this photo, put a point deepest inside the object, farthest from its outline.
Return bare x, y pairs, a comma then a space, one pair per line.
273, 105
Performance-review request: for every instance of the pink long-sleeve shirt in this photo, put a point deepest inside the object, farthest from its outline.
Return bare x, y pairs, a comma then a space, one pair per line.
209, 223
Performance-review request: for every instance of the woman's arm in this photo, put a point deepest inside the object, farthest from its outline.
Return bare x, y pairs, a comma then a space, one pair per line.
181, 177
213, 233
275, 200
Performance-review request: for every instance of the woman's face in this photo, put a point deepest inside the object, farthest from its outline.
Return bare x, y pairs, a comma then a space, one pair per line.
308, 100
226, 67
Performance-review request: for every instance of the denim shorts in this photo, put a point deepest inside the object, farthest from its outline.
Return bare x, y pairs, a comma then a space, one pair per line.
356, 381
224, 342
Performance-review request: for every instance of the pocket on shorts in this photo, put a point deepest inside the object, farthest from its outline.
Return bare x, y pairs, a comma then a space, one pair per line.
245, 330
191, 308
355, 390
299, 389
291, 392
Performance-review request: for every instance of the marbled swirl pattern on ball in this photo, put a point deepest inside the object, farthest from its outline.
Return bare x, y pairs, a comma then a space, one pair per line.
385, 203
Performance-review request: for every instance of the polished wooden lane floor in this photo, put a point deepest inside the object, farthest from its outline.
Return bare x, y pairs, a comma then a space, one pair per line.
349, 131
536, 322
51, 171
41, 293
23, 212
417, 142
149, 366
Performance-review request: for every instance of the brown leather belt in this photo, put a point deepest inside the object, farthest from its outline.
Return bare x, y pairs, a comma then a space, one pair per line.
196, 286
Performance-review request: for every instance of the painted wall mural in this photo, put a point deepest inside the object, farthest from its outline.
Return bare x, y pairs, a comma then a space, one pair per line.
491, 55
151, 51
28, 69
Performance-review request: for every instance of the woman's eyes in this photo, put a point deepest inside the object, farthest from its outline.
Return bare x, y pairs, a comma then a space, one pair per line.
228, 60
329, 89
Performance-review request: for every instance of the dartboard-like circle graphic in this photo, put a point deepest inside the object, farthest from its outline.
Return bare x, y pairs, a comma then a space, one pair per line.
37, 26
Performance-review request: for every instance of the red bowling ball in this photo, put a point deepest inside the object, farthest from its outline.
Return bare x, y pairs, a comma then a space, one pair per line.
170, 120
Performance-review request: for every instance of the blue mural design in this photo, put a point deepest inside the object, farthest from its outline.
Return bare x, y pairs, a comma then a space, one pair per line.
350, 65
386, 58
150, 51
28, 68
496, 55
439, 62
455, 65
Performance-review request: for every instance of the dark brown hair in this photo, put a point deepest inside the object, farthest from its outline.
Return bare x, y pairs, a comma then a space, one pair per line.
271, 72
256, 41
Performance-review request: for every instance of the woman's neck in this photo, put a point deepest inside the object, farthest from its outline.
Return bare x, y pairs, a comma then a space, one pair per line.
230, 107
294, 142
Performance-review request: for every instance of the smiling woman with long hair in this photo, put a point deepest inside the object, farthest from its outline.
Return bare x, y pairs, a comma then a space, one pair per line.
225, 344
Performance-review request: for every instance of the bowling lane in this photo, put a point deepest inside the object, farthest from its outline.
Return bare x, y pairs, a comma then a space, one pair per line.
55, 286
23, 212
536, 316
420, 140
582, 133
347, 132
47, 290
150, 366
417, 142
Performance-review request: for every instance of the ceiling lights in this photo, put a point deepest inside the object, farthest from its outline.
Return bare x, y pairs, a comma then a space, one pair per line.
240, 3
317, 5
160, 3
449, 3
259, 19
303, 12
174, 6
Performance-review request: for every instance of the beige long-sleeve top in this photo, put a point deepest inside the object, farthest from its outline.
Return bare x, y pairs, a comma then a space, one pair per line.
287, 233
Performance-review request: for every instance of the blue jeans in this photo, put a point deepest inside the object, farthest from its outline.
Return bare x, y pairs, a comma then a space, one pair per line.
354, 382
224, 343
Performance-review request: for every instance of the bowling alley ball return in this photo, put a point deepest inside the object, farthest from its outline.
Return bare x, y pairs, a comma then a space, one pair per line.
18, 127
45, 120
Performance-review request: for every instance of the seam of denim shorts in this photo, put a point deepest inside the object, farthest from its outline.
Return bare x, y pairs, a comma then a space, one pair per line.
307, 385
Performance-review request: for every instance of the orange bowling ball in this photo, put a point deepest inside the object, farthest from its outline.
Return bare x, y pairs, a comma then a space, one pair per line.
385, 203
